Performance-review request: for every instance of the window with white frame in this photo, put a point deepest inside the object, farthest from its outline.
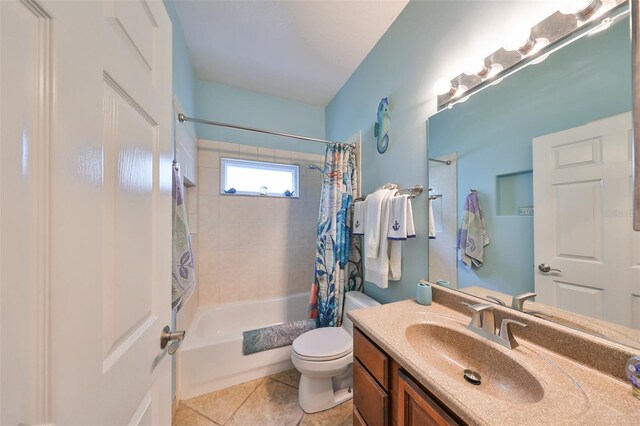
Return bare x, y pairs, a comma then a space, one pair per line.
245, 177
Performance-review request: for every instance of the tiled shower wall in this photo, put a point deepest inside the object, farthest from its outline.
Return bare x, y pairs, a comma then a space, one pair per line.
254, 247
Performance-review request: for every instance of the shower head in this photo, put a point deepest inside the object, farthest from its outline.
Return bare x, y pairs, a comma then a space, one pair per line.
314, 167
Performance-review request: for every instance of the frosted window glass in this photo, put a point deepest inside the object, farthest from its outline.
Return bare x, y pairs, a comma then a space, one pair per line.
243, 177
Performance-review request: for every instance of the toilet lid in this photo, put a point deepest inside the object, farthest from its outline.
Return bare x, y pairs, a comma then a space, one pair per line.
324, 344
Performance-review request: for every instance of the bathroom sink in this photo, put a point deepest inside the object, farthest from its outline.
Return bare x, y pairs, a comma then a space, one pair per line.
452, 352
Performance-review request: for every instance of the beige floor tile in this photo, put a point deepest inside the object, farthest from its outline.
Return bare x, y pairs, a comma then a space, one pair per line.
289, 377
342, 415
185, 416
219, 406
272, 403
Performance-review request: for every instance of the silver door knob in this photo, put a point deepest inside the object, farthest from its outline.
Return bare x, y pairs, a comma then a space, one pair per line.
175, 337
543, 267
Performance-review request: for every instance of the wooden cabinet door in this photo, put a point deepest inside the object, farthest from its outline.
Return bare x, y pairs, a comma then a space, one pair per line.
416, 408
371, 401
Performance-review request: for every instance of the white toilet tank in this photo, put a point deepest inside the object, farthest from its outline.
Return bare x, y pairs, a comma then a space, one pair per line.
355, 300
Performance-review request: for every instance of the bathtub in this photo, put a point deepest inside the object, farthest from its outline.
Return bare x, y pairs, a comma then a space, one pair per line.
210, 358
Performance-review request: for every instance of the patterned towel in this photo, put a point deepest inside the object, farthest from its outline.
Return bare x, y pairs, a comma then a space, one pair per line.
183, 274
472, 235
276, 336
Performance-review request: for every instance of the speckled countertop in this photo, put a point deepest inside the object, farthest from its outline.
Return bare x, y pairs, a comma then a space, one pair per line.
547, 389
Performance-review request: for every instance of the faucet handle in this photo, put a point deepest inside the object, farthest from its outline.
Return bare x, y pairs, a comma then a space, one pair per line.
495, 299
506, 333
482, 316
518, 301
478, 307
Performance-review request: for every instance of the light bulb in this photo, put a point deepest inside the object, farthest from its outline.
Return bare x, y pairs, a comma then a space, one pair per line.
519, 40
443, 87
495, 69
477, 67
540, 44
460, 91
581, 9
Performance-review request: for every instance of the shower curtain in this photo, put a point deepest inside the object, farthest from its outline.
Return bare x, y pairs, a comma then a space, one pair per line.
338, 266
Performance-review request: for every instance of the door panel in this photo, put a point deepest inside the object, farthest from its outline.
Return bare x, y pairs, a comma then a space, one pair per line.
582, 197
578, 211
111, 213
26, 89
580, 299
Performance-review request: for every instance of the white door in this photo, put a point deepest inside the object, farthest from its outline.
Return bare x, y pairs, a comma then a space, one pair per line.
583, 221
87, 126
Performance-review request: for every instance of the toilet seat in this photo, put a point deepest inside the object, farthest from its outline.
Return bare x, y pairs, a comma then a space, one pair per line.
323, 344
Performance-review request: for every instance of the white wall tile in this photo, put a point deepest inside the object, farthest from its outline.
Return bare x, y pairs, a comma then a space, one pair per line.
248, 152
209, 158
253, 247
209, 181
266, 154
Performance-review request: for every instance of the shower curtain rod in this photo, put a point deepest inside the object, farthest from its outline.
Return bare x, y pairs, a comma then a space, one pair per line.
182, 118
447, 162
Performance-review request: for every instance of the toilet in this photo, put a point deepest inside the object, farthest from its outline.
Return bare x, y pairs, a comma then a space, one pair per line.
324, 358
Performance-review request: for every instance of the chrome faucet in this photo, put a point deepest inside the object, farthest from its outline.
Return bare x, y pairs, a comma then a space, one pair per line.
483, 323
482, 318
517, 302
495, 299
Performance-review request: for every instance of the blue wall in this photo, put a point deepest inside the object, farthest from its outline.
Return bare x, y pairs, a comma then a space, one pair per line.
403, 66
220, 102
493, 131
184, 78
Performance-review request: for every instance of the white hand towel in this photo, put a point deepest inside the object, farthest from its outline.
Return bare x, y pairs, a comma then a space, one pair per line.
377, 265
401, 207
374, 221
395, 260
411, 228
401, 224
358, 218
432, 222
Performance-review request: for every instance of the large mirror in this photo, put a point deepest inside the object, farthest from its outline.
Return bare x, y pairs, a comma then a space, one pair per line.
547, 155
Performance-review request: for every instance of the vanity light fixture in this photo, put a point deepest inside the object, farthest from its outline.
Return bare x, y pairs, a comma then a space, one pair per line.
581, 9
481, 69
478, 67
519, 40
444, 87
460, 91
523, 46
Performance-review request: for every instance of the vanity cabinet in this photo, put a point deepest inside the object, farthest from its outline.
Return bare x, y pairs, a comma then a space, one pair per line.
416, 408
386, 395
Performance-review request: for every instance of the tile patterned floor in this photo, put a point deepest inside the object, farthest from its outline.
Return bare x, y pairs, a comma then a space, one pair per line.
269, 401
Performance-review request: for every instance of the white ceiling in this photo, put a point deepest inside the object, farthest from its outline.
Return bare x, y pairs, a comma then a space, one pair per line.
297, 49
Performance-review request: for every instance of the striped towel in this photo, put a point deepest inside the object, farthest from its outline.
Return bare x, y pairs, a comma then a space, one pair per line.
183, 273
472, 235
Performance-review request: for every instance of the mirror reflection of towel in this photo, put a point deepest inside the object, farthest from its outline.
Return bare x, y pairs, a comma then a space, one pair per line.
472, 235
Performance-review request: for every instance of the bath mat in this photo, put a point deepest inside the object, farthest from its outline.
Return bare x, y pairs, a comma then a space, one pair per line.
276, 336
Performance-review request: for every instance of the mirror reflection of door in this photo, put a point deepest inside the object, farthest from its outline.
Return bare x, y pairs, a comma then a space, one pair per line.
582, 193
558, 128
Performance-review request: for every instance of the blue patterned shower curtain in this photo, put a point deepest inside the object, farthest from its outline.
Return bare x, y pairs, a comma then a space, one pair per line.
338, 266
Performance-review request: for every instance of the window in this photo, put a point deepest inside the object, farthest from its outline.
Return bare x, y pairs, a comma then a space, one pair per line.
244, 177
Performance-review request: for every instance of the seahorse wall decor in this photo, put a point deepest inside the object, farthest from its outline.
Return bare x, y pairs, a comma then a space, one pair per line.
381, 128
